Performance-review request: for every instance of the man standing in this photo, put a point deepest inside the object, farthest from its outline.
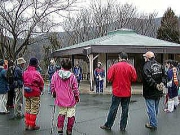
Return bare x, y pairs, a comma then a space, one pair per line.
121, 74
99, 74
152, 87
51, 71
18, 85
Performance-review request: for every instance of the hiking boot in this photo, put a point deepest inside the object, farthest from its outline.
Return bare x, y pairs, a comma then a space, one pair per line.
33, 128
60, 132
105, 127
68, 132
122, 129
147, 125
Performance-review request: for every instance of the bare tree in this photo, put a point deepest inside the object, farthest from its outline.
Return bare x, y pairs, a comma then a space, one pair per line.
21, 19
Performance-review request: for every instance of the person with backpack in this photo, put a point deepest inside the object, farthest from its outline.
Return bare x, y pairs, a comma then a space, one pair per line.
10, 78
64, 85
4, 87
18, 85
153, 84
172, 85
33, 86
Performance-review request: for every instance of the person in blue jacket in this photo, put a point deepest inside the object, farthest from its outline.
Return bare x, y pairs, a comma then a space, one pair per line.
4, 87
77, 70
51, 70
99, 74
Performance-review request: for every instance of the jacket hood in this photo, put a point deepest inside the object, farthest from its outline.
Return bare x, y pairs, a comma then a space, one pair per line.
64, 74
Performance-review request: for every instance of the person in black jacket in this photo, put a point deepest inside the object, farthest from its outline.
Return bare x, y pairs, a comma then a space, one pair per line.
153, 85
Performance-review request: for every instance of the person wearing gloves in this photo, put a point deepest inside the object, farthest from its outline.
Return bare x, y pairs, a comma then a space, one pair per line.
153, 84
33, 86
64, 85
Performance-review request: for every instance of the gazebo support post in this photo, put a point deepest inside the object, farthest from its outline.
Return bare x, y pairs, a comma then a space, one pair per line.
91, 59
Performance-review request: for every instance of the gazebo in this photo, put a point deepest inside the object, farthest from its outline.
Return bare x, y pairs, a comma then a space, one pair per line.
107, 47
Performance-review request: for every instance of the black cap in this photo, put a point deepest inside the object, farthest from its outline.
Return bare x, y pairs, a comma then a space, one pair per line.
33, 62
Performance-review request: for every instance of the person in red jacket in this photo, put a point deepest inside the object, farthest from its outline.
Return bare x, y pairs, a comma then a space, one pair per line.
121, 74
33, 86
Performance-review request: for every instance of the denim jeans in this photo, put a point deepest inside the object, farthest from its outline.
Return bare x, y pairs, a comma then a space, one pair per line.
113, 111
99, 86
152, 110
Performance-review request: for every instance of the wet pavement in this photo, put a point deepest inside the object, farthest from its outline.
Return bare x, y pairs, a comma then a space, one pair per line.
91, 114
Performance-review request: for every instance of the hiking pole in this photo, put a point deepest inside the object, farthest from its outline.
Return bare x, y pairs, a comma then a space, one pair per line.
52, 120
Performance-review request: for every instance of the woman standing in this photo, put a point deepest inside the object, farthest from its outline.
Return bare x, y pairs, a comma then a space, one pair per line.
3, 89
64, 84
172, 86
33, 86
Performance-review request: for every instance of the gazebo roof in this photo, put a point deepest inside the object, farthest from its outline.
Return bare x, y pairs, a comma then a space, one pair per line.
121, 40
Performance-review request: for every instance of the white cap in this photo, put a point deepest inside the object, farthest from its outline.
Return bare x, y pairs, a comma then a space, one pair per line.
20, 61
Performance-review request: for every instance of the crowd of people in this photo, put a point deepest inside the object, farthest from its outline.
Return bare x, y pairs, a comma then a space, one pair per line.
18, 82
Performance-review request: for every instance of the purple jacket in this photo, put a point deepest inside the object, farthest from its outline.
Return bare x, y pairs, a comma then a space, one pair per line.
64, 84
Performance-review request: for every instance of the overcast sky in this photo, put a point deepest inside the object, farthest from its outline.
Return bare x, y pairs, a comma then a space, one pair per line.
149, 6
156, 5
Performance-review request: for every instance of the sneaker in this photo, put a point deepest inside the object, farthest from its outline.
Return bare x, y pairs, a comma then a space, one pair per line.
7, 112
147, 125
122, 129
105, 127
166, 110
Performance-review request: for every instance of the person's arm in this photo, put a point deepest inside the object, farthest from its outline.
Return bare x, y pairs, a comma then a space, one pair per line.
52, 85
75, 88
110, 76
148, 77
41, 83
133, 74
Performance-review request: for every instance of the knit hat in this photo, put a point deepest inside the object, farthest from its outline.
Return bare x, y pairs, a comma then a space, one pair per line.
33, 62
1, 62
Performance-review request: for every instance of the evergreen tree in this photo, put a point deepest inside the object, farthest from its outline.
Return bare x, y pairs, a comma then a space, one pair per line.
169, 27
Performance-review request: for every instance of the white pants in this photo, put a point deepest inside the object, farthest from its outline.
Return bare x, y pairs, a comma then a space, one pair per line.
173, 103
3, 102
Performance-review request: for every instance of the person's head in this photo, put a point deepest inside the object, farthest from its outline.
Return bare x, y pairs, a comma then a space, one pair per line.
77, 63
123, 56
21, 61
33, 62
99, 64
169, 64
52, 62
1, 62
149, 55
10, 63
66, 64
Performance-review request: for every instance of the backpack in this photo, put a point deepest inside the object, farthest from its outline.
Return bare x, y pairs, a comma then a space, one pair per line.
10, 75
156, 71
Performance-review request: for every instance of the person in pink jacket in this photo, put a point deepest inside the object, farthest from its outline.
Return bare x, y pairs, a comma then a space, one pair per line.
33, 86
64, 85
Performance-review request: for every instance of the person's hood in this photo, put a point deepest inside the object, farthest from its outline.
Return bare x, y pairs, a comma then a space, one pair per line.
64, 74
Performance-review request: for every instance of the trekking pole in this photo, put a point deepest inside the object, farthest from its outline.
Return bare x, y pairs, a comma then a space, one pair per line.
52, 120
